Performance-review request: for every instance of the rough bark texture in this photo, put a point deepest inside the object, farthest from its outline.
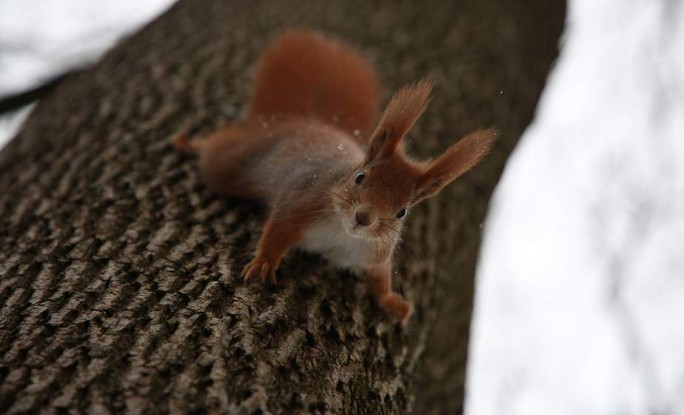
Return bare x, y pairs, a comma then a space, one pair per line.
120, 286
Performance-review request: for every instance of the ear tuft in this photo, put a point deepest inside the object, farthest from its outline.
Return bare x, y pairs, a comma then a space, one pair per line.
405, 107
402, 112
456, 160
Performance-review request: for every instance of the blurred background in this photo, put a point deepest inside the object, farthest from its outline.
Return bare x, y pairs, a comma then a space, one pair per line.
579, 303
579, 293
70, 35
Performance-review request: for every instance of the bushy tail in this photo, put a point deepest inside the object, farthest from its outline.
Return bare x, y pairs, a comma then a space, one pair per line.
303, 73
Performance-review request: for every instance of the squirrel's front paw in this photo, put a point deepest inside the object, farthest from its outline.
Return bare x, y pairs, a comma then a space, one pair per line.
260, 268
397, 306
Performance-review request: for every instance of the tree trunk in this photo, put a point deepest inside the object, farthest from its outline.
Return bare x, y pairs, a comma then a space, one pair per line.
120, 286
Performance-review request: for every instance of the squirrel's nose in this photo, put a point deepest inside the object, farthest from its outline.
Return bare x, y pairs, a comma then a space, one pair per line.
363, 218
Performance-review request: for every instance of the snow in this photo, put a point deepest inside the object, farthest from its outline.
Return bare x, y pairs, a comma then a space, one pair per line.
11, 123
579, 304
41, 39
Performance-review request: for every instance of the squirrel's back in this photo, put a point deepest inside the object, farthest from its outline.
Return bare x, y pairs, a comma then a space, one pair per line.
305, 74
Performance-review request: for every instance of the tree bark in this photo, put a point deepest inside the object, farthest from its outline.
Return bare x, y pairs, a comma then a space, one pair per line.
120, 279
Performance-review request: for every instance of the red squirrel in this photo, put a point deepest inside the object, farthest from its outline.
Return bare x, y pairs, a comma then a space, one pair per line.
334, 184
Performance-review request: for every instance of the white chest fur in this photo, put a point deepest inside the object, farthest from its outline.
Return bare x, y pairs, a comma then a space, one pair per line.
330, 239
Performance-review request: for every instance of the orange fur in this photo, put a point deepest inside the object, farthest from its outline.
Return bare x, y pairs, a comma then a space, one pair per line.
182, 142
304, 73
327, 190
402, 112
456, 160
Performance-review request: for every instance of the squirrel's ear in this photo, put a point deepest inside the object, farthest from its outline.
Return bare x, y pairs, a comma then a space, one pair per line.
401, 114
456, 160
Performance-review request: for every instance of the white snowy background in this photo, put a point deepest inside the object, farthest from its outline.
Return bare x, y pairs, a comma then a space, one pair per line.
40, 39
580, 288
579, 304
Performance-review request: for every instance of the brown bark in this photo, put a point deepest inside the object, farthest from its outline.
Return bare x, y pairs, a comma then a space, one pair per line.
119, 271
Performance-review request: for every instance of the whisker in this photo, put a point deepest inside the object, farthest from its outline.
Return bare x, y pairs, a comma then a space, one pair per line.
388, 226
385, 238
292, 215
330, 192
338, 239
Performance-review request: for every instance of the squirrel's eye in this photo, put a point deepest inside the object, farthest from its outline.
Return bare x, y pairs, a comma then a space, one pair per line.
359, 178
402, 213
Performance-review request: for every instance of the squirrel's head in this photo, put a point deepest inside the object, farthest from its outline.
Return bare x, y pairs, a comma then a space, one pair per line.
380, 192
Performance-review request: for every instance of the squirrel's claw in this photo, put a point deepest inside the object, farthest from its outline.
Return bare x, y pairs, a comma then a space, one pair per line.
259, 268
397, 306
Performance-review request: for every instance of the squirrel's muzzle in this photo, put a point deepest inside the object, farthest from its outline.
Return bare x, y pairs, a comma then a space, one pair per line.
364, 217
